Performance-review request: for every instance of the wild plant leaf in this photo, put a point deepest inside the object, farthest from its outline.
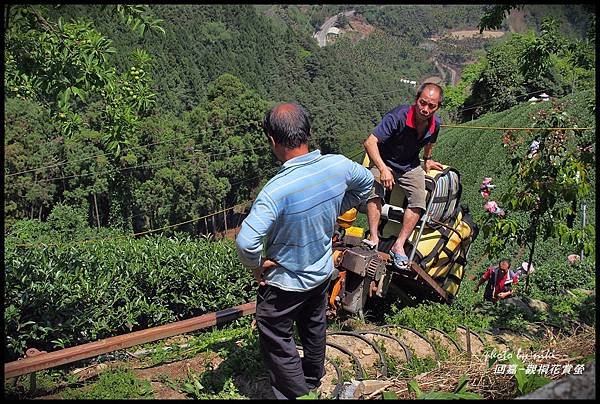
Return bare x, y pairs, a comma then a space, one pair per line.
390, 395
534, 382
462, 384
520, 374
438, 395
311, 395
413, 386
469, 396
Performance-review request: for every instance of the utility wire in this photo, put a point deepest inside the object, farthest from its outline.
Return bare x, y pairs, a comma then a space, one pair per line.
128, 235
246, 124
487, 102
156, 164
240, 182
127, 219
500, 128
144, 165
192, 136
43, 245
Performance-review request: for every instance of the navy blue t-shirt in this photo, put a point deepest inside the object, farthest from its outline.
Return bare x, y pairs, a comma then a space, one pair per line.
398, 141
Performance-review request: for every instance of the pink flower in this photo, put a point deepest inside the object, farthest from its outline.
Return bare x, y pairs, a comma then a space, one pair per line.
491, 206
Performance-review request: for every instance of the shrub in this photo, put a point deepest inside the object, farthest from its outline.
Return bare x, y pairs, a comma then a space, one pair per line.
72, 294
554, 278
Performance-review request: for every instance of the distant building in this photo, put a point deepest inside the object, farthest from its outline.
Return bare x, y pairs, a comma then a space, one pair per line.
543, 97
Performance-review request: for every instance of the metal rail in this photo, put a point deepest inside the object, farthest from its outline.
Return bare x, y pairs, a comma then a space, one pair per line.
52, 359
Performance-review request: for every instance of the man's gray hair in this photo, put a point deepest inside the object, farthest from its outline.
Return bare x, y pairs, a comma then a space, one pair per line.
288, 124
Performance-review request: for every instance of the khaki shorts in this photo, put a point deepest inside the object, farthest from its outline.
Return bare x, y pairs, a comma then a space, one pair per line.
412, 182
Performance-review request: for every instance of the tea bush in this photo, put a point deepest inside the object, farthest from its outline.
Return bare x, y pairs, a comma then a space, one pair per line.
555, 277
71, 294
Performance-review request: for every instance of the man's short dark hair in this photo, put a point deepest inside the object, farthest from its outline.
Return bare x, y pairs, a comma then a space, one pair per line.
422, 88
505, 260
288, 125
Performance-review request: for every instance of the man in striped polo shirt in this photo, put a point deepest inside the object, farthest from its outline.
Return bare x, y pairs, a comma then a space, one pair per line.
293, 220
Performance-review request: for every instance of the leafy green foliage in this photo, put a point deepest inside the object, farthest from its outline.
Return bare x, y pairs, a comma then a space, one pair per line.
549, 185
501, 83
536, 59
526, 383
62, 69
117, 385
526, 64
460, 392
193, 387
311, 395
193, 101
65, 66
69, 295
557, 277
494, 16
46, 381
138, 18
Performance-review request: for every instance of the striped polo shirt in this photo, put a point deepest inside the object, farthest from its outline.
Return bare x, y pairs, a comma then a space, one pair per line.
294, 217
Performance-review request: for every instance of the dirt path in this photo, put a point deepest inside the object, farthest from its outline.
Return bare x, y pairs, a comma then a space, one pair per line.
167, 379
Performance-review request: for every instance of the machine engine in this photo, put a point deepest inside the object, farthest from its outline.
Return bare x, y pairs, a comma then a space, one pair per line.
360, 273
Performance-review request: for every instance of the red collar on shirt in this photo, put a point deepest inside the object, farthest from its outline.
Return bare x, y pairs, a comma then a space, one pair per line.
410, 119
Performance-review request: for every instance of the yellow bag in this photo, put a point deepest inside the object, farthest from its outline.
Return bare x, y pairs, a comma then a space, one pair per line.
445, 240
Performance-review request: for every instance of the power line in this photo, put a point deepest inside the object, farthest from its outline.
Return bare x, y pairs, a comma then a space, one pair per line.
223, 128
160, 163
500, 128
236, 183
163, 162
486, 103
103, 154
231, 184
410, 7
191, 137
128, 235
242, 181
152, 230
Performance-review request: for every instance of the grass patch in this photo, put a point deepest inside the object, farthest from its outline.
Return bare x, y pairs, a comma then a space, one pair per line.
118, 384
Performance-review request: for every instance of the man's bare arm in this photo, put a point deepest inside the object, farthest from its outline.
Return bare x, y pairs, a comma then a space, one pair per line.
387, 176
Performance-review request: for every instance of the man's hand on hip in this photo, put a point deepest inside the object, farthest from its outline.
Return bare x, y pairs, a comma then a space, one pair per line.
432, 165
260, 271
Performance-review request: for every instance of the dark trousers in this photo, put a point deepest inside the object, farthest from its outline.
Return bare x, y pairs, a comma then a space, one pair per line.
276, 312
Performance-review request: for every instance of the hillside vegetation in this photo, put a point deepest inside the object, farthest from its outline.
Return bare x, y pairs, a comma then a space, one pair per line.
479, 153
147, 131
124, 154
56, 292
162, 280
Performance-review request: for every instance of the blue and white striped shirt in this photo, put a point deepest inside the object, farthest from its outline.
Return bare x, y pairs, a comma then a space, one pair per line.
295, 214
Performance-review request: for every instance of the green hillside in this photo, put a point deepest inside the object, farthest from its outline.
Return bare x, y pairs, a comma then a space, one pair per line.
156, 280
100, 143
479, 153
